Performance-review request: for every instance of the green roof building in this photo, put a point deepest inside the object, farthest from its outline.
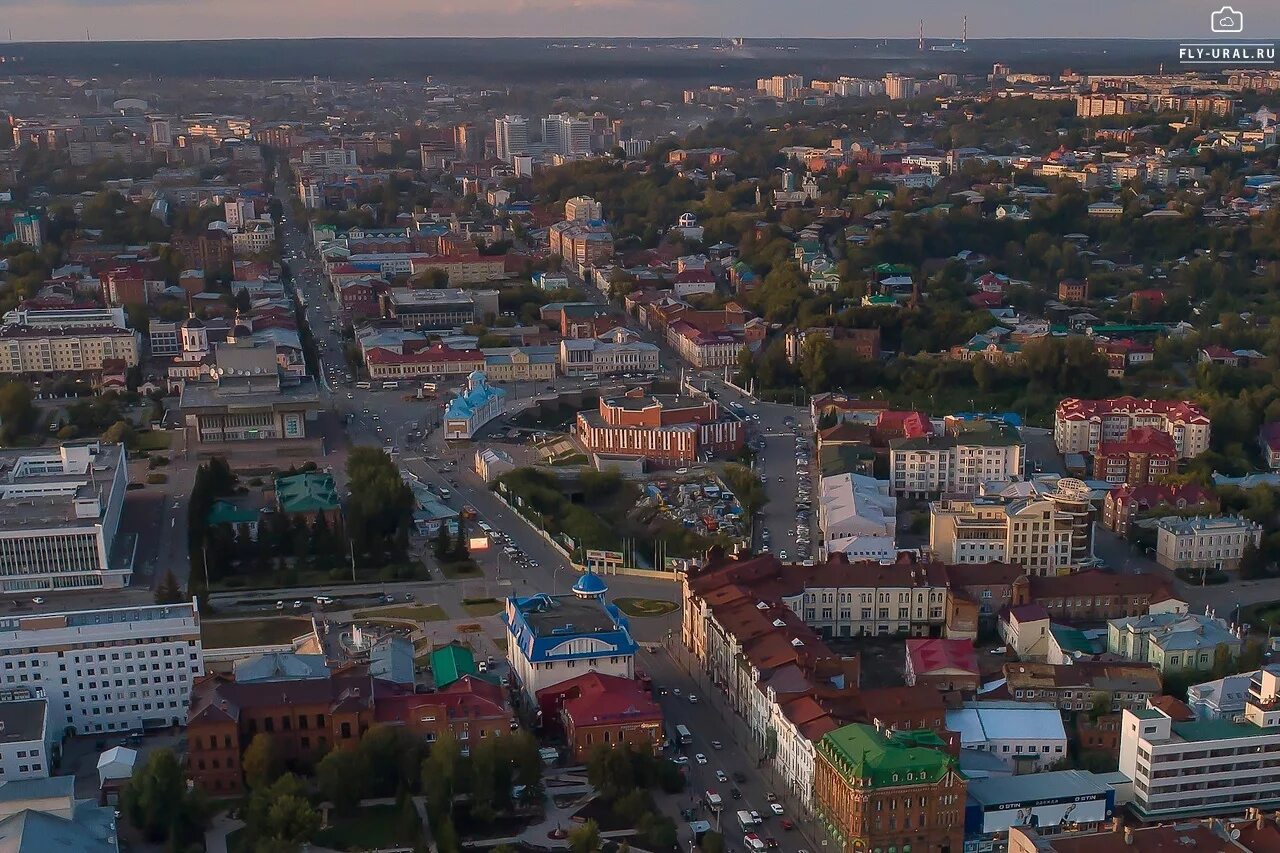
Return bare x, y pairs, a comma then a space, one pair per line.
451, 662
866, 779
226, 512
307, 493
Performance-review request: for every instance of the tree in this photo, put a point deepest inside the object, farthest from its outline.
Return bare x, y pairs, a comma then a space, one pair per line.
460, 550
1253, 563
1100, 707
440, 771
817, 355
17, 411
342, 777
118, 433
609, 771
260, 763
585, 838
392, 757
292, 818
157, 801
168, 592
712, 842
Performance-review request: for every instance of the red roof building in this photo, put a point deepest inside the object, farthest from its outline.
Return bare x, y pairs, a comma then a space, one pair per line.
1121, 506
595, 708
1143, 457
436, 360
946, 665
1079, 426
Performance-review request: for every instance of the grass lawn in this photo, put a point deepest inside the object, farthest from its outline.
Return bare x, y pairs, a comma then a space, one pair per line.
369, 828
460, 570
483, 608
150, 440
646, 606
411, 612
262, 631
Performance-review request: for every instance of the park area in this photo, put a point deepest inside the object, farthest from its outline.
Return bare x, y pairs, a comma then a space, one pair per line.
258, 631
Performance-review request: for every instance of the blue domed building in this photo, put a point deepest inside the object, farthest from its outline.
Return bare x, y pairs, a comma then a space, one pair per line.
590, 587
478, 404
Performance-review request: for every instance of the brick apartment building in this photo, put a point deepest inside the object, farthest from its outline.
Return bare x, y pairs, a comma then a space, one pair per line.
1121, 506
1143, 457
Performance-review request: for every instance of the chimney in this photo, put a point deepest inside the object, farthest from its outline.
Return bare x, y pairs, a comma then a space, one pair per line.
1128, 836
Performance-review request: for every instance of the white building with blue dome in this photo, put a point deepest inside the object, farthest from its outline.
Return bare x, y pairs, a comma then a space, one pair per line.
553, 638
478, 404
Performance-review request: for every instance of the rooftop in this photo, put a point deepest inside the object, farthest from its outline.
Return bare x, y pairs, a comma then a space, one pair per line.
1000, 790
896, 758
64, 487
23, 720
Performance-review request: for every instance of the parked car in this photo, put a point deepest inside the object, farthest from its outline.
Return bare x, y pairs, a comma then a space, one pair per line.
734, 792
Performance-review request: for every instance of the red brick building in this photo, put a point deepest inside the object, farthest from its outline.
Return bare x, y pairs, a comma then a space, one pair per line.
210, 250
470, 707
1143, 457
595, 708
666, 430
1121, 506
1073, 290
305, 717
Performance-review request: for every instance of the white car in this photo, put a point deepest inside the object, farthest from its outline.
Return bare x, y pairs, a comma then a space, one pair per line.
693, 699
776, 808
721, 776
700, 758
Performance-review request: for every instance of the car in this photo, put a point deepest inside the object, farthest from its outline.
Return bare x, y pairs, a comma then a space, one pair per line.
755, 817
721, 776
387, 599
700, 758
788, 824
682, 470
781, 479
771, 797
739, 777
279, 605
680, 760
771, 843
776, 808
715, 744
735, 793
297, 605
675, 691
693, 699
37, 600
782, 555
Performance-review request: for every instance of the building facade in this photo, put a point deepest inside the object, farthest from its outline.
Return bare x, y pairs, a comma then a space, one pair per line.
1201, 542
665, 430
936, 465
1031, 533
33, 351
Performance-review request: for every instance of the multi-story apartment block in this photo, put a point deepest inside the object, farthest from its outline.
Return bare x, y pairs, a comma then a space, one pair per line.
27, 351
115, 670
1075, 686
616, 351
583, 208
1142, 457
1205, 543
784, 87
1029, 532
29, 228
899, 88
957, 463
1081, 426
511, 137
581, 244
877, 790
328, 157
1183, 768
59, 513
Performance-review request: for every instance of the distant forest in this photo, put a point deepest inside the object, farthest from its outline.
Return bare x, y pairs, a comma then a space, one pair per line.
499, 60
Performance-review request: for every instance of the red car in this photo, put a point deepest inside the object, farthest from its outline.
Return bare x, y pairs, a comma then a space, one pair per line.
788, 823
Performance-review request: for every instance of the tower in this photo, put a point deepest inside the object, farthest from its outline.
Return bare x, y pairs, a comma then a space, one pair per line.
964, 33
921, 45
195, 338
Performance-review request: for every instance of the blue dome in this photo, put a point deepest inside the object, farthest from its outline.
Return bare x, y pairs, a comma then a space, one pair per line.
590, 585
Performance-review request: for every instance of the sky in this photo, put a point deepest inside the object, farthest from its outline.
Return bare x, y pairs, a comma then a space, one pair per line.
125, 20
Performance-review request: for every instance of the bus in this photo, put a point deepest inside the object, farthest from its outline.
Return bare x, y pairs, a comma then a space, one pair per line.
714, 801
390, 386
364, 386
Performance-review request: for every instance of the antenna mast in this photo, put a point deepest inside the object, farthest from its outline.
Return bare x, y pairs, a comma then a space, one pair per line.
921, 47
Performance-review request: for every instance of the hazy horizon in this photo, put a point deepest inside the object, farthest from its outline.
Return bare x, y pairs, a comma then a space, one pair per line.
195, 20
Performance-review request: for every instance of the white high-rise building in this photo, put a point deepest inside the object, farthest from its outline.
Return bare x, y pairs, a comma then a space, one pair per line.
565, 134
120, 669
511, 137
899, 87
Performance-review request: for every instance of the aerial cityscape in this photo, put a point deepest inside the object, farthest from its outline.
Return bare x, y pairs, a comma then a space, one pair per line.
441, 437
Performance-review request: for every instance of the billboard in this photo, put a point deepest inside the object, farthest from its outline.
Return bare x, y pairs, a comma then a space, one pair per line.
1089, 808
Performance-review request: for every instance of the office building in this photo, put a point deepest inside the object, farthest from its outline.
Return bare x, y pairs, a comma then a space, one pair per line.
553, 638
1204, 542
117, 670
1053, 801
616, 351
856, 513
468, 142
67, 318
511, 137
1082, 426
1221, 699
59, 514
878, 789
437, 309
1195, 768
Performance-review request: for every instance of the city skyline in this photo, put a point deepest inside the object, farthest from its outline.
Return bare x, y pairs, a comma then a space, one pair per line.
128, 20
